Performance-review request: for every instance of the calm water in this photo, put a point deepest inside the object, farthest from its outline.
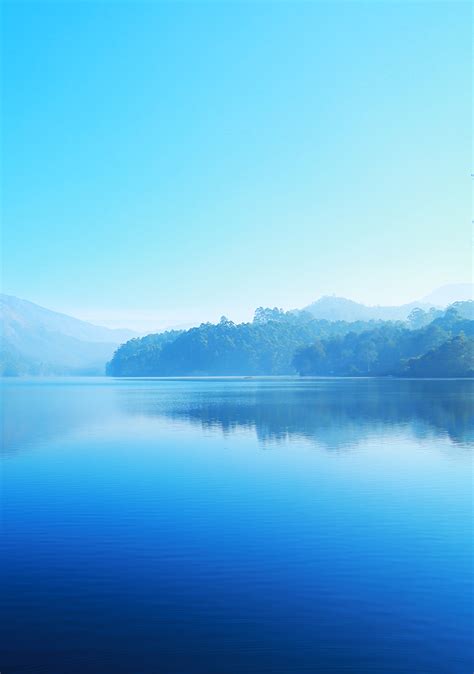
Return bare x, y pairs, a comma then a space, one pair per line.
228, 526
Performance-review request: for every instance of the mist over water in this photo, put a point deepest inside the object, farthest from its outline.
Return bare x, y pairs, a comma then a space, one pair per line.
237, 525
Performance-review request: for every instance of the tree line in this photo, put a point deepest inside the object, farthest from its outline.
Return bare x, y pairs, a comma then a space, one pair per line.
279, 343
444, 348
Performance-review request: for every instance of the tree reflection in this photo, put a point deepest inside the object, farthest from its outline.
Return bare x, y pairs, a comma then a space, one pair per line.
335, 412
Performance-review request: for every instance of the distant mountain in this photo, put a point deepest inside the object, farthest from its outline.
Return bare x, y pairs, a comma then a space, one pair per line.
35, 340
448, 294
333, 308
13, 309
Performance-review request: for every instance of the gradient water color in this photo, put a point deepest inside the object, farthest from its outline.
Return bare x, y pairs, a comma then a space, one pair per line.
238, 526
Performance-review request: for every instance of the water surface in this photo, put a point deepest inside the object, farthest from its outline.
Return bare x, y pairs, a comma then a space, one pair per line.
231, 526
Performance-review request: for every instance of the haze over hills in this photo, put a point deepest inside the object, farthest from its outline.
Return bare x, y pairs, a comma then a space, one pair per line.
334, 308
15, 311
36, 340
341, 309
450, 293
283, 343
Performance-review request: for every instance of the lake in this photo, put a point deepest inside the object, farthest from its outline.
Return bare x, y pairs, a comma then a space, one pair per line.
224, 526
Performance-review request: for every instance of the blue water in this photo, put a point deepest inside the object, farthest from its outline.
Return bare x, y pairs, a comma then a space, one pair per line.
224, 526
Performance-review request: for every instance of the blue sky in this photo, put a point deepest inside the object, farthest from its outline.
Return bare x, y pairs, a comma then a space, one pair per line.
170, 162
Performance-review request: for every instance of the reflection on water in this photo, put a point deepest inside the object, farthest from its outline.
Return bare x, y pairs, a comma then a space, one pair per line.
334, 413
145, 532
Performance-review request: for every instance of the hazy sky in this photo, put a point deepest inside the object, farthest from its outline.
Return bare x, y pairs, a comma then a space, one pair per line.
170, 162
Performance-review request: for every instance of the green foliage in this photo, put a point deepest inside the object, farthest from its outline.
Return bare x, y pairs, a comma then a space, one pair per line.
418, 318
464, 309
454, 358
393, 349
133, 359
278, 343
264, 347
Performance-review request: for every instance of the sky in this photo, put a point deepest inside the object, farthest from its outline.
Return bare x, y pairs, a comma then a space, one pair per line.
165, 163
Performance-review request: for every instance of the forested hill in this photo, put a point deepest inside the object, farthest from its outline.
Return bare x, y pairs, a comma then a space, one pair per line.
444, 348
278, 343
264, 347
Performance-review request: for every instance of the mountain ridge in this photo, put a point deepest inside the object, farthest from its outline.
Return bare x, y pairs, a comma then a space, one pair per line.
333, 308
36, 340
336, 308
24, 311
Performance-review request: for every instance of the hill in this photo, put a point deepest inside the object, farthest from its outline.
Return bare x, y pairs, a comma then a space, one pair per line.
334, 308
442, 348
450, 293
341, 309
453, 358
35, 340
263, 347
16, 312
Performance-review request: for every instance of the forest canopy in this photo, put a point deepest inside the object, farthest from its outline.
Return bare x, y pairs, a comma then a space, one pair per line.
280, 343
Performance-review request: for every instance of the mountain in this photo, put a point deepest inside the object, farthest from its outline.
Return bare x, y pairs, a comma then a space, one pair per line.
13, 309
35, 340
333, 308
448, 294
